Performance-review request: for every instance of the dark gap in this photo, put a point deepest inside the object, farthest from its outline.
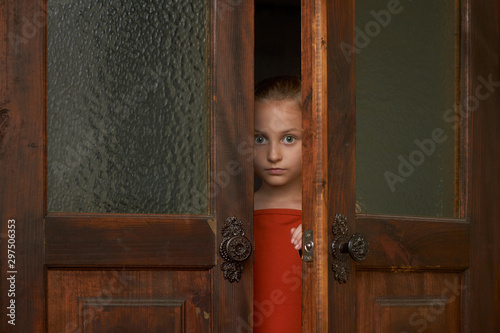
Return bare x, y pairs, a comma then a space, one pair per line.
277, 41
277, 38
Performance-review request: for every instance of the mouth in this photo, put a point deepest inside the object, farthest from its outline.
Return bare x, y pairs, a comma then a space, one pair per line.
275, 171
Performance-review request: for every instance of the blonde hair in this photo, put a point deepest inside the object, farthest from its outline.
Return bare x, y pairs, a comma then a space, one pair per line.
279, 88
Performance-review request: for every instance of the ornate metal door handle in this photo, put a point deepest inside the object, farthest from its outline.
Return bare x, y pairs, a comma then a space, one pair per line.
343, 246
234, 248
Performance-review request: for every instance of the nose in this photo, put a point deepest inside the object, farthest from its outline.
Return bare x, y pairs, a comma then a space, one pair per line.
274, 154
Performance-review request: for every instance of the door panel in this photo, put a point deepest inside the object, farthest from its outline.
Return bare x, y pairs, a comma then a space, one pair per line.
418, 274
86, 269
129, 301
410, 258
409, 302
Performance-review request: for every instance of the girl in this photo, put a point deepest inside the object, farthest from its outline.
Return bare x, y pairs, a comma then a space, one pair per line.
278, 206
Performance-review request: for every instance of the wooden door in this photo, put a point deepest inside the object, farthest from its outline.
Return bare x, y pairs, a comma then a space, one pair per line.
111, 267
423, 272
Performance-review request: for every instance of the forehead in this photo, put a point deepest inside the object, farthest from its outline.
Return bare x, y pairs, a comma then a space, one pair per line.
277, 115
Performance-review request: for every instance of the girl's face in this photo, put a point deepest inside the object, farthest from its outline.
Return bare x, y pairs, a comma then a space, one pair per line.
278, 142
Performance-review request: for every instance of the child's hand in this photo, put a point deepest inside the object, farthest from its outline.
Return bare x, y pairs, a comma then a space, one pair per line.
296, 235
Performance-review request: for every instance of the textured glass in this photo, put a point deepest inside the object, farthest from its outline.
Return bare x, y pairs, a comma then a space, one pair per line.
127, 106
406, 95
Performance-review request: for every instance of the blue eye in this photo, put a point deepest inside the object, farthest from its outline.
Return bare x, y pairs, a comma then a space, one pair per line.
289, 139
259, 139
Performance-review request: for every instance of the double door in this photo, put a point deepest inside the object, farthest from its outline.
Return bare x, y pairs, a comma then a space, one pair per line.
126, 150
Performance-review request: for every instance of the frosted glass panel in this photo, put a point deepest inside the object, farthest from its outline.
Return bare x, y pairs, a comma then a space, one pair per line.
406, 94
127, 106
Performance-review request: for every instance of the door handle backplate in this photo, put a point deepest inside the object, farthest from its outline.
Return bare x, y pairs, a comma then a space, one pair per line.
343, 247
235, 248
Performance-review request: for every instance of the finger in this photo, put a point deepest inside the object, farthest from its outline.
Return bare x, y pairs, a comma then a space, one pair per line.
297, 242
296, 234
298, 245
297, 237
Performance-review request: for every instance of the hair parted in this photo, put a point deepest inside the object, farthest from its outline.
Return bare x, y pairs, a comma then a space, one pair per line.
279, 88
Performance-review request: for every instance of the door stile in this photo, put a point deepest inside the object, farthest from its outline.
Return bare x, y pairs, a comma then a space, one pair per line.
22, 103
484, 82
232, 179
341, 150
314, 167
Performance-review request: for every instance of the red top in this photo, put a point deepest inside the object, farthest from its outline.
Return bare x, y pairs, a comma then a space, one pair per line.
277, 272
